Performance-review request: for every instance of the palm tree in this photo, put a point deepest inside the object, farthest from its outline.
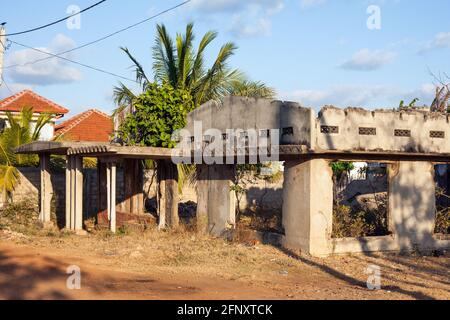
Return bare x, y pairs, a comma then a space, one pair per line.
20, 131
180, 65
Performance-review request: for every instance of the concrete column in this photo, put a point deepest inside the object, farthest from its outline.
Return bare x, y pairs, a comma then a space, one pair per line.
412, 205
111, 181
68, 192
167, 173
102, 186
72, 191
112, 222
46, 190
308, 206
108, 190
78, 193
133, 185
202, 197
216, 201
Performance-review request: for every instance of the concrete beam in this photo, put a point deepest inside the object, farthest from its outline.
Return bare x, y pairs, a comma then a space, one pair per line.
46, 190
308, 206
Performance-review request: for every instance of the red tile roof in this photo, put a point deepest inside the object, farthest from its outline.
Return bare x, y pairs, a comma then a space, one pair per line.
92, 125
28, 98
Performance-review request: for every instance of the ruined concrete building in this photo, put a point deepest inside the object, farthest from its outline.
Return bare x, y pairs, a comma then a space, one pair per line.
409, 142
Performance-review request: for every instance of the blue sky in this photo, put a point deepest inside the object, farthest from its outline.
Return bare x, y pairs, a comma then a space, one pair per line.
315, 52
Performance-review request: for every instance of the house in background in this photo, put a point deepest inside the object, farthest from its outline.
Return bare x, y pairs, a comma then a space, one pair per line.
39, 104
92, 125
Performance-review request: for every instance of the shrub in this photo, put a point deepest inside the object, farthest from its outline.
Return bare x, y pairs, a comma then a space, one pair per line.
443, 222
21, 217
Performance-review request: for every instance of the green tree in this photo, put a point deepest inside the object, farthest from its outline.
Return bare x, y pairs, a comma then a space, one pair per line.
179, 64
158, 112
20, 131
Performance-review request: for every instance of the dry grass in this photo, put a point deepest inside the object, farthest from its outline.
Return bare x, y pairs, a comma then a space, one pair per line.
184, 252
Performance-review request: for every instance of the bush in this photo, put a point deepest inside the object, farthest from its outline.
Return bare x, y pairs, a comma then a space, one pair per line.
355, 224
443, 222
21, 217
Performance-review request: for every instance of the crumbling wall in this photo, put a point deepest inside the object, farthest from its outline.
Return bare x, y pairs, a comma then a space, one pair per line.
355, 129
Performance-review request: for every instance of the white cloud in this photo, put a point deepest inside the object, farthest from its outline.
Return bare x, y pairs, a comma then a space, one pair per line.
369, 96
14, 87
440, 41
304, 4
366, 60
250, 18
48, 72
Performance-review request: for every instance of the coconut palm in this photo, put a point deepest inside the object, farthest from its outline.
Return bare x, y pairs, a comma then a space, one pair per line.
20, 131
177, 62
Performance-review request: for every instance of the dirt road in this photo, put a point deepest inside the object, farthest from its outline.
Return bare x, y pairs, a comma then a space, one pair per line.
30, 271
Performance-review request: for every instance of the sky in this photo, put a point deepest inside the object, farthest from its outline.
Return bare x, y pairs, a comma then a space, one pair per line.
360, 53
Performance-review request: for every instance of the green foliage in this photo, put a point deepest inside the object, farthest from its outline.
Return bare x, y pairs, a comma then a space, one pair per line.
412, 104
340, 168
178, 63
158, 113
20, 131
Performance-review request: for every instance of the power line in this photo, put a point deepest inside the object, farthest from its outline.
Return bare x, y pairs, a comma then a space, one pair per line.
102, 38
74, 62
6, 85
56, 22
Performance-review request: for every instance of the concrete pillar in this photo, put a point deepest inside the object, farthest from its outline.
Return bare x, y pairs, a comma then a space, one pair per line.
167, 176
216, 201
68, 193
412, 204
113, 196
72, 192
133, 187
102, 186
78, 193
202, 197
111, 177
308, 206
46, 190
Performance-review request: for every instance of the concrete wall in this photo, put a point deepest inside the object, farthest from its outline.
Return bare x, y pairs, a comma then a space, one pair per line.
350, 129
267, 196
260, 114
307, 211
421, 125
29, 184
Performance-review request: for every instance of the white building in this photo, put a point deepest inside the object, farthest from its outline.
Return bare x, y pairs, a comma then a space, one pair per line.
28, 98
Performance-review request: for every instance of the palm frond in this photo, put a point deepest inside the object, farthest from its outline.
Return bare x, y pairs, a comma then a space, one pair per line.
9, 177
123, 97
141, 77
252, 89
165, 63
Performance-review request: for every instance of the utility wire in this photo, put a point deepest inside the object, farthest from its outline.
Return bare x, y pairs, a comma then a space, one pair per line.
56, 22
74, 62
102, 38
6, 85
